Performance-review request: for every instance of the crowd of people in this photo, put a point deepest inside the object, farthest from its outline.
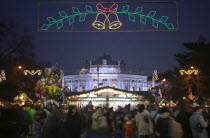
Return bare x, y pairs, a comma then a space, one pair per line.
102, 122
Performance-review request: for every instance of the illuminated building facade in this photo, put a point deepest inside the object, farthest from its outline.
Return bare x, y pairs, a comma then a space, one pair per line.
105, 72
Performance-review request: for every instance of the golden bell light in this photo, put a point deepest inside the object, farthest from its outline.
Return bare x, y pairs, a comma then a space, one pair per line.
114, 22
100, 20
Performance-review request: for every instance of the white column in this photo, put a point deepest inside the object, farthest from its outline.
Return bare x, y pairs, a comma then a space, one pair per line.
90, 84
86, 84
78, 86
71, 85
123, 85
137, 85
110, 83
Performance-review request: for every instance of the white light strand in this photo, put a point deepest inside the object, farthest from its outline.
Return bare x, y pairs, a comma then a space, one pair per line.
154, 78
2, 76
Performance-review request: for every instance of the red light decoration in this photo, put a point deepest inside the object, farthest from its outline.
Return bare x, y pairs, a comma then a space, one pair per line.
112, 9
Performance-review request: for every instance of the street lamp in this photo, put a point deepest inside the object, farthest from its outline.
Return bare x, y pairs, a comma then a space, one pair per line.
19, 67
17, 73
191, 71
163, 80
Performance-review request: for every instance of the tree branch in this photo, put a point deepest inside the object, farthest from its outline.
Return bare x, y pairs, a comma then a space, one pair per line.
1, 59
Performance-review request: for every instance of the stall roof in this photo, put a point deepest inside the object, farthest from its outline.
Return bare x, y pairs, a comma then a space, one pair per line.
144, 93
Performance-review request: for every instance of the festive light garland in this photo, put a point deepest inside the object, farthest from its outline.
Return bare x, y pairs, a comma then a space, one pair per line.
188, 72
102, 17
154, 77
32, 72
2, 76
82, 71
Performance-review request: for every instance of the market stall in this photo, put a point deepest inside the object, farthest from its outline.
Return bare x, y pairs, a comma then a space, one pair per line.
108, 96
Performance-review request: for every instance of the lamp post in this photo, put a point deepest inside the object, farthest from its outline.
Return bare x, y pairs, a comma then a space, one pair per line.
16, 70
191, 71
19, 67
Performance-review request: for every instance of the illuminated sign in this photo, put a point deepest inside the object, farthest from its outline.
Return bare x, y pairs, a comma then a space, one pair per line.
107, 16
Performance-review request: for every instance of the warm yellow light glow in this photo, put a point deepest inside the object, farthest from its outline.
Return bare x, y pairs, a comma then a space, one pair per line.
19, 67
2, 76
188, 72
163, 80
192, 67
32, 72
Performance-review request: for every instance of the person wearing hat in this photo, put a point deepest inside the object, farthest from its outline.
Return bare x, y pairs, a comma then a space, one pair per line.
129, 127
167, 127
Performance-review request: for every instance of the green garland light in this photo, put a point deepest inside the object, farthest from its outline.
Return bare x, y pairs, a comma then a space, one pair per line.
131, 15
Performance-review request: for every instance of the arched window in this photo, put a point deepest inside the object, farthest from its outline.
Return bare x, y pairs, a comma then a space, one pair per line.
126, 87
75, 89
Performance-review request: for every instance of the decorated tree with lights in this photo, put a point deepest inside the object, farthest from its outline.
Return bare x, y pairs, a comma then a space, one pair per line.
197, 54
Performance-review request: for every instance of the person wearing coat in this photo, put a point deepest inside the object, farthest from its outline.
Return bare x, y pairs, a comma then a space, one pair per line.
73, 124
129, 127
197, 117
53, 128
143, 122
166, 126
95, 118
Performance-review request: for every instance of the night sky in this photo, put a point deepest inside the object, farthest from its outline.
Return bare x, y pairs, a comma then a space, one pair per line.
146, 50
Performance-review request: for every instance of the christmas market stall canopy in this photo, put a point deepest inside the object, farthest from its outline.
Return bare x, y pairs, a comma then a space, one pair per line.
207, 102
22, 98
199, 100
109, 95
164, 102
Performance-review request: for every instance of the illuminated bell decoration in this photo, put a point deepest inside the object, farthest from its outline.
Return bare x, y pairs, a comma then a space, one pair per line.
100, 20
113, 20
32, 72
188, 72
112, 17
2, 76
